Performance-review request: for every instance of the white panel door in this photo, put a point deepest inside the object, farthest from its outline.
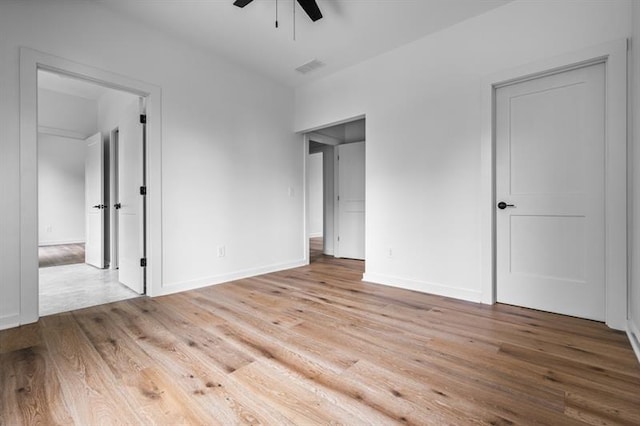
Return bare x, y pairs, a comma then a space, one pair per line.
550, 166
351, 190
94, 201
130, 214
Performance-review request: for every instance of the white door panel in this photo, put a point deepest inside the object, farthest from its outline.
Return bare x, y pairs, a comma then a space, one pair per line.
130, 215
550, 166
94, 201
351, 200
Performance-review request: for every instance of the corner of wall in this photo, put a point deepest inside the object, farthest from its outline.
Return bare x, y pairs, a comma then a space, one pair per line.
633, 328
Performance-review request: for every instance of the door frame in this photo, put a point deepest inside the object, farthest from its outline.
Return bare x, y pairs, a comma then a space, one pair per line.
614, 56
307, 136
30, 61
114, 140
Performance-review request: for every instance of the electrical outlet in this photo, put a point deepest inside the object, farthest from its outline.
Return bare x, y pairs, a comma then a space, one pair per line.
49, 228
390, 253
222, 251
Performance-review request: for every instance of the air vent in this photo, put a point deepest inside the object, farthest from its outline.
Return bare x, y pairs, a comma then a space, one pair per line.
309, 66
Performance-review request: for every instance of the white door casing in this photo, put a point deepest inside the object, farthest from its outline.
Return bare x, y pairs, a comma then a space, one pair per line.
550, 156
350, 222
130, 214
30, 61
94, 201
113, 176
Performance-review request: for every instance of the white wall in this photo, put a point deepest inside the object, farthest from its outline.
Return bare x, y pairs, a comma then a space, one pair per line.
60, 190
634, 296
61, 165
423, 104
316, 194
232, 169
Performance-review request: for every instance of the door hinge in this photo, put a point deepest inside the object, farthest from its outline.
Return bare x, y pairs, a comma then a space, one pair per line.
143, 118
143, 262
143, 190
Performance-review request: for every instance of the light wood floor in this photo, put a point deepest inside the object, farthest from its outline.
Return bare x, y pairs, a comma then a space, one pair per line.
316, 247
315, 345
63, 254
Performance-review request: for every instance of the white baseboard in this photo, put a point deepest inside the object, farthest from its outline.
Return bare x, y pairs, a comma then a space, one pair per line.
9, 321
425, 287
633, 333
59, 242
176, 287
315, 234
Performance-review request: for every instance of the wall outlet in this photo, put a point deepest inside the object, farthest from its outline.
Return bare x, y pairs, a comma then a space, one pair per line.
222, 251
49, 228
390, 253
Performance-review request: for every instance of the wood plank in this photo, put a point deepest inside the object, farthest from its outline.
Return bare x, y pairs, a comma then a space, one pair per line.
152, 390
301, 404
21, 337
61, 254
87, 384
315, 345
30, 390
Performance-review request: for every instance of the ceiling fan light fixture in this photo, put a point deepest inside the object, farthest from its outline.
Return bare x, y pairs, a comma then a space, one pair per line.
241, 3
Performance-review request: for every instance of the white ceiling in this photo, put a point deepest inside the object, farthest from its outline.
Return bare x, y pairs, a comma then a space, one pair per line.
353, 131
350, 31
70, 86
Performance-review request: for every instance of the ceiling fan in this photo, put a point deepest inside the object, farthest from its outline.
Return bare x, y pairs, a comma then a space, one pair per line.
309, 6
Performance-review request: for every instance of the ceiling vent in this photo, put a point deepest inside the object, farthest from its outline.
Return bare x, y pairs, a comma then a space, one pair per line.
309, 66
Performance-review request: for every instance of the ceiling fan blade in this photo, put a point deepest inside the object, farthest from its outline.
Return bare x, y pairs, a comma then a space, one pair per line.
241, 3
312, 9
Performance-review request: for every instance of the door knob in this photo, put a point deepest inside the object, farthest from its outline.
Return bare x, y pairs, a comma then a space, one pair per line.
502, 205
117, 206
99, 206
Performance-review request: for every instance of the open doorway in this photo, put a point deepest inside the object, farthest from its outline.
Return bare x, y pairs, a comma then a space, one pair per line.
336, 191
77, 122
315, 182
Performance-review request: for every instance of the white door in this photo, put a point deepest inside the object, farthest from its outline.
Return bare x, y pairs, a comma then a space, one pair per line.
94, 201
130, 214
351, 190
550, 167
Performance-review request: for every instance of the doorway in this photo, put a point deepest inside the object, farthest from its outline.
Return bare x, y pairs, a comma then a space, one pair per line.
336, 180
76, 122
315, 185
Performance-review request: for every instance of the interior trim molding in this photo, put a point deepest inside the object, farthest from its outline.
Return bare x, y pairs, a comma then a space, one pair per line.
180, 286
9, 321
53, 131
30, 61
634, 338
614, 55
424, 287
59, 242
